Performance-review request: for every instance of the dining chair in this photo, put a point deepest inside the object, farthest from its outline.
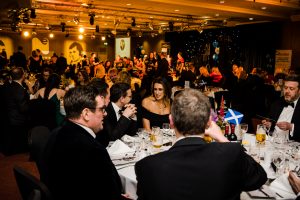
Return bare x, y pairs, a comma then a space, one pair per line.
37, 139
29, 186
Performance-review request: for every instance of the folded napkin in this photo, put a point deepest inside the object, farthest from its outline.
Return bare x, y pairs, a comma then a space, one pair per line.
119, 150
127, 138
282, 187
263, 193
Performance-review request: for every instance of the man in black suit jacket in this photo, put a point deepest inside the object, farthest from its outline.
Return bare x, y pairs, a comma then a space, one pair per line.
121, 118
286, 111
77, 165
193, 169
16, 100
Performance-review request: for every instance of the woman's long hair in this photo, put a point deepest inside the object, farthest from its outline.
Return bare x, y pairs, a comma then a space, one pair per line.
52, 82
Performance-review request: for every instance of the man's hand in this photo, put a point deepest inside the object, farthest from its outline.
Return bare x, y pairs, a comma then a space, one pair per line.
129, 111
286, 126
294, 181
215, 132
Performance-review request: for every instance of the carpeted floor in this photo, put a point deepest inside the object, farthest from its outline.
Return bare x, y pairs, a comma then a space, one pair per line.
8, 186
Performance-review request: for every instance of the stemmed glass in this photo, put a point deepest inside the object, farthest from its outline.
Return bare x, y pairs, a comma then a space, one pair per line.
166, 128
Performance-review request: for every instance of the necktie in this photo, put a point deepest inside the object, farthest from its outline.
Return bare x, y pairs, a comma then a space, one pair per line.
286, 104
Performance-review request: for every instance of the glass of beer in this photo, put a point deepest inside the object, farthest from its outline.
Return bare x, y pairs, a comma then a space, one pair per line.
260, 134
157, 138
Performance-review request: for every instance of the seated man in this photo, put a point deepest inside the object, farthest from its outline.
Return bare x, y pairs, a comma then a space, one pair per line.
74, 164
286, 111
192, 168
118, 122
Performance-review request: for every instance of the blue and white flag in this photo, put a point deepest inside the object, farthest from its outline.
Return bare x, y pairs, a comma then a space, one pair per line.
233, 117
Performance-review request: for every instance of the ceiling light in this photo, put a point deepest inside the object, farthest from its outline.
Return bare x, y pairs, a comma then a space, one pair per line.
80, 37
26, 33
160, 30
176, 10
51, 35
221, 1
264, 8
151, 17
103, 38
93, 36
81, 30
251, 18
150, 25
133, 22
129, 4
114, 32
217, 14
63, 26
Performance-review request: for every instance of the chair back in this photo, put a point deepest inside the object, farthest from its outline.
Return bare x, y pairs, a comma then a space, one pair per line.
29, 186
38, 138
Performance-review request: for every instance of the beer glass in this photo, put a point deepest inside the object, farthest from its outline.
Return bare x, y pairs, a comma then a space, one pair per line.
260, 134
157, 137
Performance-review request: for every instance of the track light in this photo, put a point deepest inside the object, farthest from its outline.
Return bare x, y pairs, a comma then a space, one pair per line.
92, 18
133, 22
150, 25
171, 26
63, 26
97, 29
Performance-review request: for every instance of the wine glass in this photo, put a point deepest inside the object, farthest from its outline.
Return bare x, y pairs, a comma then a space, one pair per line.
166, 128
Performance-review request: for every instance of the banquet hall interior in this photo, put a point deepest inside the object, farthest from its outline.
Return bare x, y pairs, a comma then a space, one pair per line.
74, 38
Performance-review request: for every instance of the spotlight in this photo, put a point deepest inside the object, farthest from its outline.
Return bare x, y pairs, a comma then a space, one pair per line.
128, 32
160, 30
26, 18
92, 18
32, 13
97, 29
133, 22
171, 26
63, 26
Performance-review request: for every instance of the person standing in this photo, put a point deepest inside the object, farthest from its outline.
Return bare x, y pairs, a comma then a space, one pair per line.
75, 165
193, 169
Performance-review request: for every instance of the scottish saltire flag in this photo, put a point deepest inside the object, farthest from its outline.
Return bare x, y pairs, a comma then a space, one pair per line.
233, 117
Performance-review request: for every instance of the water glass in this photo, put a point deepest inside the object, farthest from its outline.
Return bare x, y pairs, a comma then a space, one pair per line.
166, 128
157, 138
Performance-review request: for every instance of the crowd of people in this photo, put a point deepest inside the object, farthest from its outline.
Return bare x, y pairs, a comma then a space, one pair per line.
89, 103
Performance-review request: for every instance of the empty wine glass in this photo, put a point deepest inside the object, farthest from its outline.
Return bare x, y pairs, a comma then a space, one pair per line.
278, 159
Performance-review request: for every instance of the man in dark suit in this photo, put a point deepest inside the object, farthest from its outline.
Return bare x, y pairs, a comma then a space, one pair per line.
193, 169
77, 165
16, 100
286, 111
163, 66
121, 118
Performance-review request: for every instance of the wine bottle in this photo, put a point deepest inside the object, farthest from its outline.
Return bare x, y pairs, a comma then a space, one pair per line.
232, 137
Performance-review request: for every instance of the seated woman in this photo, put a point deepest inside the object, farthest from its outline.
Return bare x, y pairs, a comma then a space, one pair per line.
156, 108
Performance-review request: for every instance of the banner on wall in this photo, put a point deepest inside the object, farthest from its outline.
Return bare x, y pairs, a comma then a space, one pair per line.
42, 45
283, 60
73, 51
122, 47
6, 44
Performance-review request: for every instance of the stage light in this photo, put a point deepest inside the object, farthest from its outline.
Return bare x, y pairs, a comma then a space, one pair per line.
63, 26
80, 37
92, 18
32, 13
133, 22
171, 26
81, 30
103, 38
51, 35
97, 29
26, 33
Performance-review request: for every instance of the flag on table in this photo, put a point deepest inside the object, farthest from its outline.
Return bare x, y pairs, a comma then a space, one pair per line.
233, 117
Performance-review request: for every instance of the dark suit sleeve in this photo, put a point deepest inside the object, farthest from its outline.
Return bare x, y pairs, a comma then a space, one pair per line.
138, 172
124, 126
253, 175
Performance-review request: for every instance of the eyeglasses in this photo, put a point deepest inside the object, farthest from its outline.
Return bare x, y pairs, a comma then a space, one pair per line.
101, 109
